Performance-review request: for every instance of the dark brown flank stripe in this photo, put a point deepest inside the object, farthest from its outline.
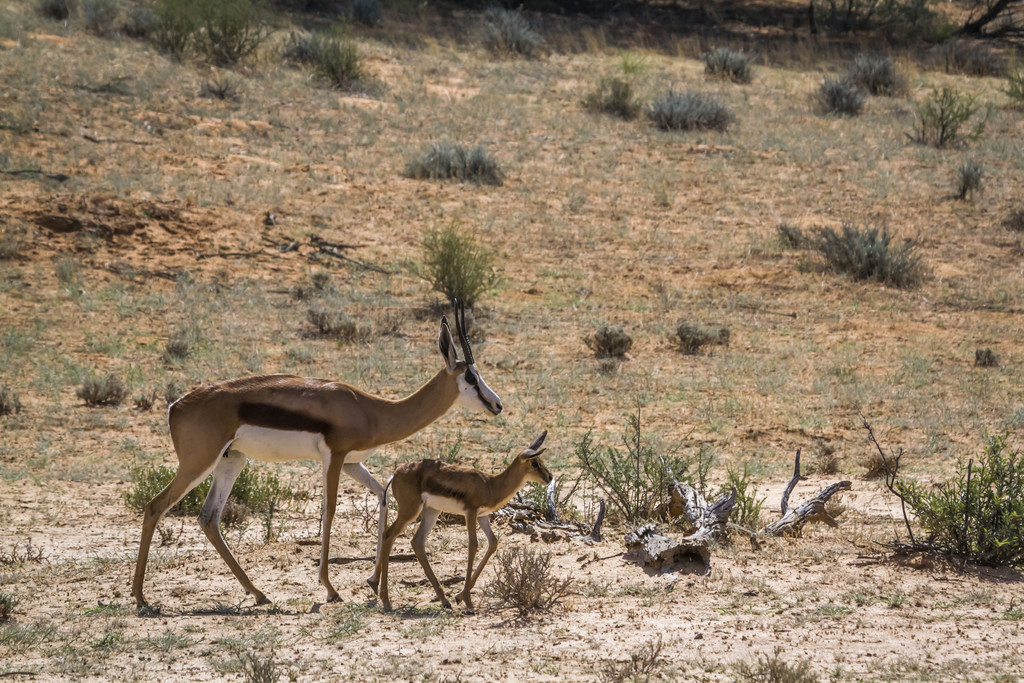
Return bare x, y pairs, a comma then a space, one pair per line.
274, 417
439, 489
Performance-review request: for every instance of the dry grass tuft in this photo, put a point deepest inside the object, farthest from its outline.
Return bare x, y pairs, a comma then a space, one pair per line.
609, 341
525, 580
106, 392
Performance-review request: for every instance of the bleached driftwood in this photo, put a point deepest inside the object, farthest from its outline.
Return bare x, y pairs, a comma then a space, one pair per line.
655, 552
794, 519
527, 517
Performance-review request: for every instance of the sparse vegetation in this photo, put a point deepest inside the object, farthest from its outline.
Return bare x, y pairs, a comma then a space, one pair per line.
444, 160
869, 254
457, 265
643, 663
220, 88
524, 579
8, 603
613, 96
840, 96
609, 341
335, 58
336, 325
728, 64
109, 391
100, 16
774, 669
747, 512
941, 118
985, 358
58, 10
260, 668
968, 179
1014, 221
791, 236
876, 74
9, 403
689, 111
635, 479
507, 32
692, 337
1015, 87
253, 491
368, 12
825, 459
970, 58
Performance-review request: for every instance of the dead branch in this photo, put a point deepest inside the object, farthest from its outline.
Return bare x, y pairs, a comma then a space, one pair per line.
657, 553
595, 533
794, 519
551, 514
892, 468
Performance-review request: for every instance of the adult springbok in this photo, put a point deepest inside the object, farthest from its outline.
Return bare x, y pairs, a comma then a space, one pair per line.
433, 487
277, 418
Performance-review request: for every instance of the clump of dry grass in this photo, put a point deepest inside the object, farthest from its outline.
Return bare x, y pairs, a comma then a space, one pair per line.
102, 392
613, 96
692, 337
445, 160
825, 459
773, 669
840, 96
9, 403
877, 74
507, 32
643, 663
969, 58
869, 254
1014, 221
968, 179
689, 111
525, 580
609, 341
986, 358
335, 325
727, 64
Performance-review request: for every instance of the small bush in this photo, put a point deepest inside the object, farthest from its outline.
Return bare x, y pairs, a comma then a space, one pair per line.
791, 236
260, 492
145, 401
1015, 87
643, 663
747, 511
180, 345
1014, 221
874, 465
941, 118
693, 336
172, 392
970, 59
298, 48
868, 254
840, 96
9, 403
609, 341
689, 111
141, 21
985, 358
100, 16
58, 10
107, 392
613, 96
368, 12
220, 88
335, 325
524, 580
8, 603
774, 669
977, 515
175, 27
968, 179
258, 668
444, 160
876, 74
233, 29
507, 32
634, 480
825, 459
727, 64
335, 58
457, 265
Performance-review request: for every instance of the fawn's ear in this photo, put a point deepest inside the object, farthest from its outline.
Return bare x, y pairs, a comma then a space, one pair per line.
534, 449
446, 345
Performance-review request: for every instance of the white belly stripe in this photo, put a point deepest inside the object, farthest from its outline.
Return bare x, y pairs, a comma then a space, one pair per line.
278, 445
444, 504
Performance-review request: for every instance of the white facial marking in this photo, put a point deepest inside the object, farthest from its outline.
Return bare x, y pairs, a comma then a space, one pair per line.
477, 396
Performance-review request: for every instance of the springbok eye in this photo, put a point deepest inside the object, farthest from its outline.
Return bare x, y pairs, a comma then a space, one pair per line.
470, 378
536, 465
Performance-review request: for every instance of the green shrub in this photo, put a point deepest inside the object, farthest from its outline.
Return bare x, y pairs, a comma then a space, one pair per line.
968, 179
840, 96
693, 336
941, 117
175, 26
100, 16
456, 265
232, 30
58, 10
868, 254
876, 74
978, 514
969, 58
727, 64
609, 341
508, 32
106, 392
634, 480
260, 492
747, 511
8, 603
688, 111
336, 59
985, 358
367, 12
524, 579
444, 160
1014, 221
791, 236
1015, 87
613, 96
9, 403
140, 21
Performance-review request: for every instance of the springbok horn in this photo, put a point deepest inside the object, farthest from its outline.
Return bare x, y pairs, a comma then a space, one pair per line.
460, 326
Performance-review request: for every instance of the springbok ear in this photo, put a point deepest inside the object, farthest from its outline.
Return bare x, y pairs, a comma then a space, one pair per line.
530, 455
446, 345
